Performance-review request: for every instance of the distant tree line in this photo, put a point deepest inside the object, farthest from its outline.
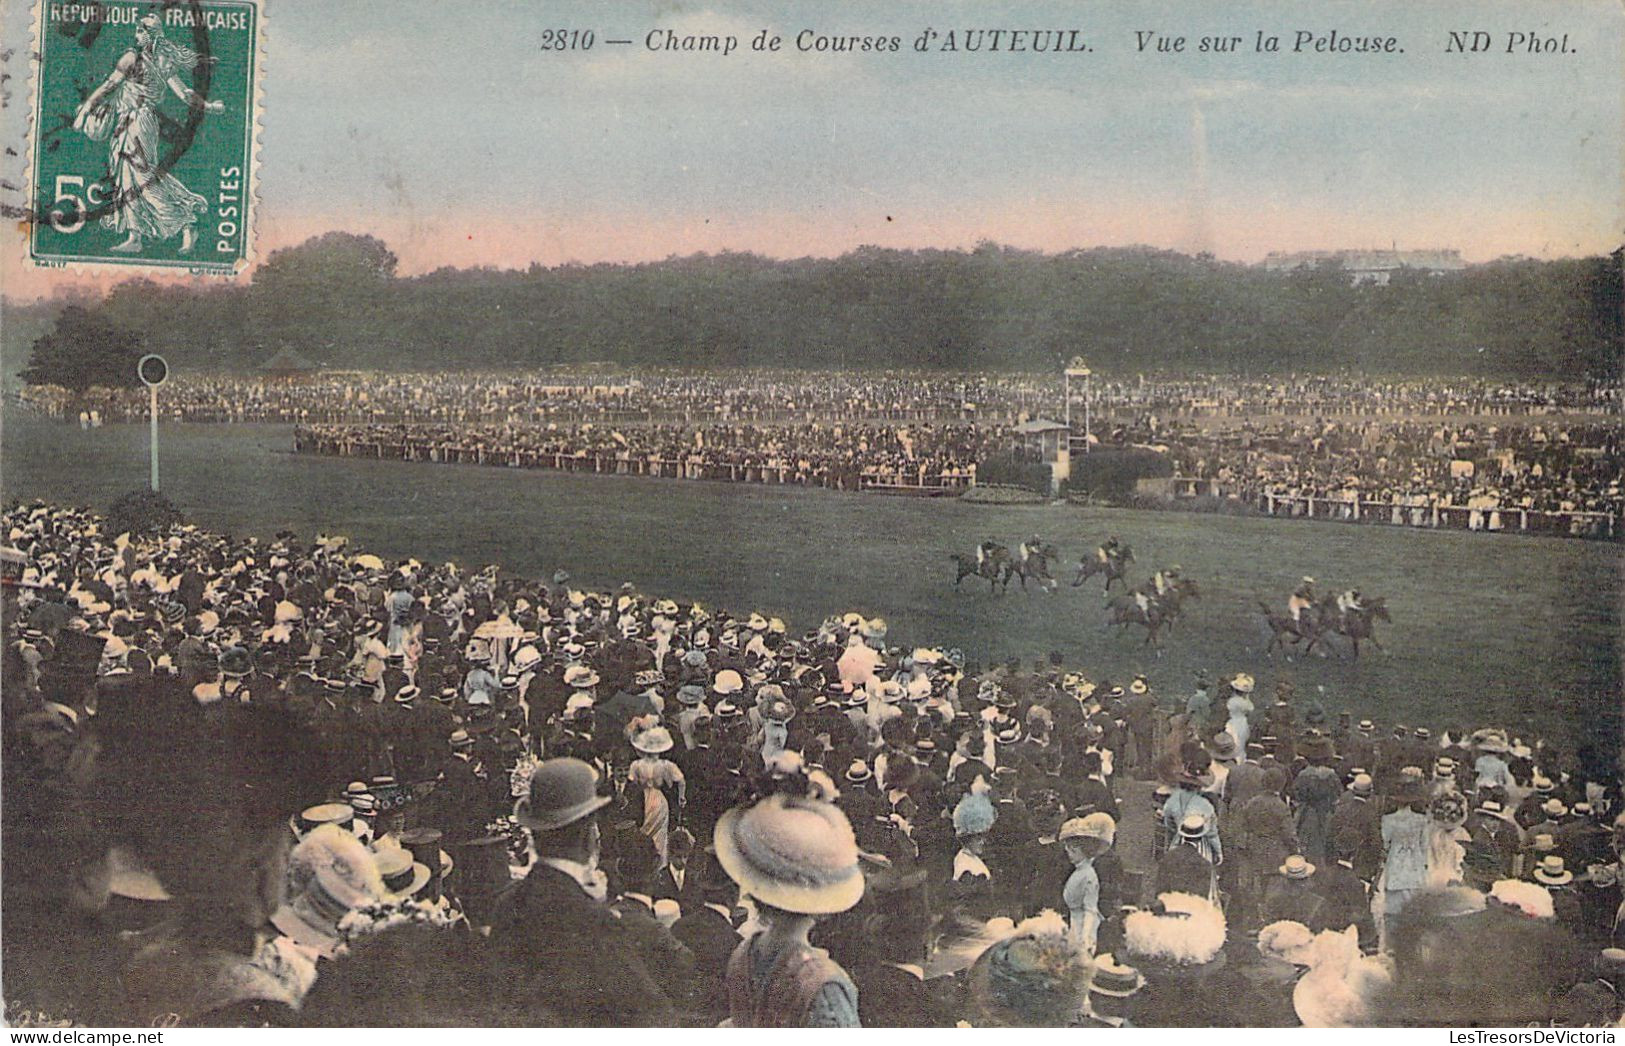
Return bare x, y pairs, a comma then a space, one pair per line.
337, 300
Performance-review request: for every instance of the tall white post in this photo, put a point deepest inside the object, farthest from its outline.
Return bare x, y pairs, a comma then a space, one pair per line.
153, 370
153, 443
1086, 414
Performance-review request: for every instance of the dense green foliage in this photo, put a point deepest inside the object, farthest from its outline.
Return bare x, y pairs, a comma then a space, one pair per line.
1111, 472
83, 349
1007, 468
337, 300
142, 511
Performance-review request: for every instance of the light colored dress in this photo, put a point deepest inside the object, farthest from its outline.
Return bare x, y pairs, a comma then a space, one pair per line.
1405, 841
655, 775
1082, 897
1238, 709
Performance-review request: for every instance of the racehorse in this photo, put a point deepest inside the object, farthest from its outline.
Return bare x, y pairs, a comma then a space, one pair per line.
1356, 624
1282, 626
1036, 566
1115, 568
1159, 612
996, 567
1172, 602
1126, 610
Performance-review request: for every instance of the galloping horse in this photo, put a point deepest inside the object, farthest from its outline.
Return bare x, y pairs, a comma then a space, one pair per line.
1172, 602
1115, 568
1126, 610
1036, 566
1282, 626
1356, 624
995, 567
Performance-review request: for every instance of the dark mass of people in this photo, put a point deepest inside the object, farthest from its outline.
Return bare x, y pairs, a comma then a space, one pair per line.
285, 782
1435, 453
312, 395
836, 455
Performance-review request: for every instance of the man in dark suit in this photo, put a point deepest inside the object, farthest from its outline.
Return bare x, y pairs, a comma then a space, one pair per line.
892, 989
1291, 893
666, 958
675, 880
1355, 813
1347, 902
707, 930
562, 951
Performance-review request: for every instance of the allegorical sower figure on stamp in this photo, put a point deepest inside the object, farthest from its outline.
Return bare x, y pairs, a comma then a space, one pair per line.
149, 202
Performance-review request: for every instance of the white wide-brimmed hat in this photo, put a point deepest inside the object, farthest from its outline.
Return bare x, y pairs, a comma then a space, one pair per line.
791, 853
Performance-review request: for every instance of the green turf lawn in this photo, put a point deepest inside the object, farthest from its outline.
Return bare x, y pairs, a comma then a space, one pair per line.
1487, 628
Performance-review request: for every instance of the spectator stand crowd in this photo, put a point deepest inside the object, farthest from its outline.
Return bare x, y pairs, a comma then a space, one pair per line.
922, 456
1470, 454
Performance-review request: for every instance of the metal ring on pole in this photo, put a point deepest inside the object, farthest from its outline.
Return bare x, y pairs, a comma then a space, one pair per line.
152, 369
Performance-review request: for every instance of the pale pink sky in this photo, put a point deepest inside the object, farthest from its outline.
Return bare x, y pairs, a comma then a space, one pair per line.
460, 241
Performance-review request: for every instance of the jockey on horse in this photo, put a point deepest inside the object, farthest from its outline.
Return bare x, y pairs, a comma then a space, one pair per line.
1301, 600
989, 550
1111, 559
1157, 590
1034, 562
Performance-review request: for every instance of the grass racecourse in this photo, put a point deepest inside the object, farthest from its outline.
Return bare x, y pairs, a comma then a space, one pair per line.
1486, 628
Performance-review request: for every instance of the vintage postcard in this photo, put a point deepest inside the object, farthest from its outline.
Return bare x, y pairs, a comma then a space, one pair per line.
775, 514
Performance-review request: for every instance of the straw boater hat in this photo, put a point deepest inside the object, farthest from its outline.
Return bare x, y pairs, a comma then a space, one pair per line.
1297, 867
311, 818
580, 676
1551, 871
403, 876
795, 854
1114, 979
859, 772
1194, 826
728, 682
562, 792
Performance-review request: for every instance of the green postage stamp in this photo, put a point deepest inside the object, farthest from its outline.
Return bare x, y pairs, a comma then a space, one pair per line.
143, 133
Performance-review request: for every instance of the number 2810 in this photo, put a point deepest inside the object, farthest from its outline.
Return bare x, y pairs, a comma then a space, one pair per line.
567, 39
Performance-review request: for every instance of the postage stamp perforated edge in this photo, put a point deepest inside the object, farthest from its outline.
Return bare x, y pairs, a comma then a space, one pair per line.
254, 130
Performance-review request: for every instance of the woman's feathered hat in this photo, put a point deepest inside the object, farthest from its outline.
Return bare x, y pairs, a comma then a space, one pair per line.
792, 853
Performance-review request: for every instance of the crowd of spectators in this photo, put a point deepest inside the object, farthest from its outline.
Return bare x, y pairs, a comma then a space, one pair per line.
749, 395
1492, 455
1399, 471
851, 456
286, 782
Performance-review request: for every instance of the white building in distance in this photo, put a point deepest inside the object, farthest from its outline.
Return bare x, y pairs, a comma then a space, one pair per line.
1368, 266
